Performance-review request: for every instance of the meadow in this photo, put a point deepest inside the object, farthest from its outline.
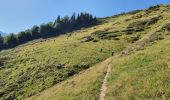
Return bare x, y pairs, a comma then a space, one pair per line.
72, 66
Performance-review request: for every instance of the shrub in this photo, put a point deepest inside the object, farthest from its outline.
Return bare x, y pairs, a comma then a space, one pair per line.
59, 66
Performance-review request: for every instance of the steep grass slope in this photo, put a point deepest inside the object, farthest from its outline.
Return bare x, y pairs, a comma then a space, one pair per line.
33, 67
142, 64
142, 71
84, 86
145, 75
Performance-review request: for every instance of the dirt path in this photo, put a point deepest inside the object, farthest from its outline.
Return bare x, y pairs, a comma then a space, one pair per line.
104, 87
150, 37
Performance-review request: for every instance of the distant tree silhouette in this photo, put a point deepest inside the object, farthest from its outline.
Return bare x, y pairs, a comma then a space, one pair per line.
59, 26
58, 19
10, 41
24, 36
21, 37
1, 42
28, 34
47, 30
35, 34
73, 18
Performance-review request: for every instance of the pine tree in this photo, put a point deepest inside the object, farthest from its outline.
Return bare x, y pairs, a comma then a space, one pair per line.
35, 32
21, 37
1, 42
73, 18
58, 19
11, 41
60, 26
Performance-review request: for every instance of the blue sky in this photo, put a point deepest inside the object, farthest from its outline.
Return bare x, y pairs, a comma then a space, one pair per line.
18, 15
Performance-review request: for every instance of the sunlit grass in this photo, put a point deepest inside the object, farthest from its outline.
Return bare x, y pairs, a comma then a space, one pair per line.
35, 66
84, 86
143, 75
32, 67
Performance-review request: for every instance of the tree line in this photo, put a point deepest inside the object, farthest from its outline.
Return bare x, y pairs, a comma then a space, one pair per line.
51, 29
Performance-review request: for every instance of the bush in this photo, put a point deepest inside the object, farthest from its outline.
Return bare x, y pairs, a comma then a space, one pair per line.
84, 65
95, 40
154, 8
59, 66
72, 72
81, 66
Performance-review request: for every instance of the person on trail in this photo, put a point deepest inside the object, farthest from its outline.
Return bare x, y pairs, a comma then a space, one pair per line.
101, 50
113, 53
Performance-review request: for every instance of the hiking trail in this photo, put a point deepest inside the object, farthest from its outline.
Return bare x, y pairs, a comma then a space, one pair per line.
104, 87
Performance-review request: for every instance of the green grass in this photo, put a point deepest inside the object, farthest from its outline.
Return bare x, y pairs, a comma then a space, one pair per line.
84, 86
33, 67
38, 65
143, 75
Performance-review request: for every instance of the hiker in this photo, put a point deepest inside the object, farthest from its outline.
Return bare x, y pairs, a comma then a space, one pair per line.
101, 50
113, 53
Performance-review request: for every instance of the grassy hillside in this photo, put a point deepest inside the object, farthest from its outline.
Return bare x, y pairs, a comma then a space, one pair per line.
143, 75
84, 86
35, 66
142, 71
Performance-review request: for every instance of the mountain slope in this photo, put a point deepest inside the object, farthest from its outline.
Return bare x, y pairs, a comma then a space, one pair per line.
84, 86
146, 41
143, 75
139, 72
35, 66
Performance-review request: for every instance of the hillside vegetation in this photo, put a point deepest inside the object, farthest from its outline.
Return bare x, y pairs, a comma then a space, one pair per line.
85, 86
51, 29
139, 39
143, 75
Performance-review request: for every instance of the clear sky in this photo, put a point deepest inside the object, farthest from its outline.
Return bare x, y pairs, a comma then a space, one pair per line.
18, 15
